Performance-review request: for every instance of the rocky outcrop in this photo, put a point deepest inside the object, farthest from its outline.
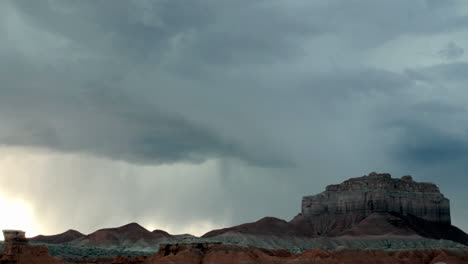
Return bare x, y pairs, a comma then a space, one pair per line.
380, 193
223, 254
16, 250
342, 206
15, 237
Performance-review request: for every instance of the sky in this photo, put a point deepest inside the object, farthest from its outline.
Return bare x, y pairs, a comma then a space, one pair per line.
192, 115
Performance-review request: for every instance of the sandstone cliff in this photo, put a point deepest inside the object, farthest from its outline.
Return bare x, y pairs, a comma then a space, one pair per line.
342, 206
380, 193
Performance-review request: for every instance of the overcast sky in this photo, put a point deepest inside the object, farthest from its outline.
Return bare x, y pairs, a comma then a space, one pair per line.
192, 115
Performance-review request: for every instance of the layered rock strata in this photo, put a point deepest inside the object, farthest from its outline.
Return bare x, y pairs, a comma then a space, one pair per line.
379, 193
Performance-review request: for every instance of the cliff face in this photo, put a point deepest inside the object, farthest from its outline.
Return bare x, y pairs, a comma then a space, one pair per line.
379, 193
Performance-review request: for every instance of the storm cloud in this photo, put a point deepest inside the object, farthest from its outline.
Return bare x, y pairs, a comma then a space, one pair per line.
144, 105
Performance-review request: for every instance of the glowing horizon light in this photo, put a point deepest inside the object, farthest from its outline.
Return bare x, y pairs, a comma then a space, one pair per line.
17, 214
197, 228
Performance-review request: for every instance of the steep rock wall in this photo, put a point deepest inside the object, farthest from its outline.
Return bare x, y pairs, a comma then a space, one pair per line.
376, 192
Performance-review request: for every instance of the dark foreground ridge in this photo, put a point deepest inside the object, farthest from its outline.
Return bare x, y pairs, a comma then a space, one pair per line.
201, 253
204, 253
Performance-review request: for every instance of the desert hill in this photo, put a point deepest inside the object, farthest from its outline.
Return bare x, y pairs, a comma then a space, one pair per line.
130, 235
64, 237
265, 226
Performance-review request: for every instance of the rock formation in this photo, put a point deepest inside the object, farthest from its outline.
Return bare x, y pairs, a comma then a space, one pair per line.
16, 250
342, 206
371, 205
383, 194
15, 237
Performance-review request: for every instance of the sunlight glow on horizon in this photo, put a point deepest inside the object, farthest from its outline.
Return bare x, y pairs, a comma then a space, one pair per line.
33, 180
17, 214
198, 228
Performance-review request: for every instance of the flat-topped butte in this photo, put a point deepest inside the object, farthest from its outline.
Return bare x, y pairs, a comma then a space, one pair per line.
380, 193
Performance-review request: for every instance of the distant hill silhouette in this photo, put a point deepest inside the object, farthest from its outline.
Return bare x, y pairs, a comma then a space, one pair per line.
64, 237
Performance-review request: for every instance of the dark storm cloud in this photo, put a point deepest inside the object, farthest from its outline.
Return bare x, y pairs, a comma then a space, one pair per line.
449, 73
432, 130
142, 30
355, 83
99, 120
422, 144
286, 96
106, 43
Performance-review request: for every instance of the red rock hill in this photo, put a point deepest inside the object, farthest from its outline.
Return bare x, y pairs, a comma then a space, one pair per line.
65, 237
128, 235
